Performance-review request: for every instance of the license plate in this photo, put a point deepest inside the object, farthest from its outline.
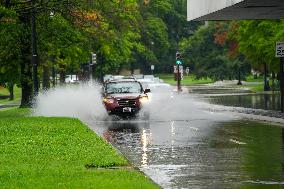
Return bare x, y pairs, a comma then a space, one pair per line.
127, 109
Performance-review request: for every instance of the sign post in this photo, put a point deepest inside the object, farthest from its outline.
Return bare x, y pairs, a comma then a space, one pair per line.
179, 67
280, 54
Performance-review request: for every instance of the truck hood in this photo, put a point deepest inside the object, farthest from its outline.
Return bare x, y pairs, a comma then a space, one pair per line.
124, 96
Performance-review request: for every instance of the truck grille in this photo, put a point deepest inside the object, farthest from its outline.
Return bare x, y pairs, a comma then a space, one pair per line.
126, 102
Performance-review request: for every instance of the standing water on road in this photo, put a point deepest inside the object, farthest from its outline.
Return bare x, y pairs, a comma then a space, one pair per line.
255, 101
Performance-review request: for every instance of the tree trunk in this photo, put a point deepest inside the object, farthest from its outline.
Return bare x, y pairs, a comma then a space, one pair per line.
239, 78
62, 77
273, 81
11, 90
53, 71
266, 78
26, 83
26, 74
45, 77
132, 68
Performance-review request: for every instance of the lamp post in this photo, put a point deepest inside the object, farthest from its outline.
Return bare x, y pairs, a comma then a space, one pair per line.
280, 54
34, 52
152, 49
53, 72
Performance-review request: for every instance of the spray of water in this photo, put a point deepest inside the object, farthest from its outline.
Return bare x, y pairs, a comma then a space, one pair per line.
81, 101
84, 101
168, 105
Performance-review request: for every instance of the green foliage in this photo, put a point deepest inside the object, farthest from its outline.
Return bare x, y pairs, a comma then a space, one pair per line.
163, 25
10, 33
208, 53
59, 39
257, 41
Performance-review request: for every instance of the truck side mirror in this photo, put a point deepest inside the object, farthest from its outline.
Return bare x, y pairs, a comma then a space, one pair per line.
147, 91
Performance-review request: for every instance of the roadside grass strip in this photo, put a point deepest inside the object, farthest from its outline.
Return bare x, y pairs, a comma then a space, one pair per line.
187, 80
39, 152
4, 92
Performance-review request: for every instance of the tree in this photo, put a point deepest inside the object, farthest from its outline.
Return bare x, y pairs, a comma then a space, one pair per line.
210, 53
10, 32
257, 42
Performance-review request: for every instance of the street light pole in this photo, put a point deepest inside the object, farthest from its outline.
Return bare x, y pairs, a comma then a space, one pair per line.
282, 83
52, 58
178, 78
34, 52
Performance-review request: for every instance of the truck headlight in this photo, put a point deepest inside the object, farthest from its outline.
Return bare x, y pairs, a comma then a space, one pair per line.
108, 100
144, 99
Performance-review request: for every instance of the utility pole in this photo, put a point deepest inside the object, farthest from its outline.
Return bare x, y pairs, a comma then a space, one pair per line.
53, 73
178, 63
34, 51
280, 54
178, 78
282, 83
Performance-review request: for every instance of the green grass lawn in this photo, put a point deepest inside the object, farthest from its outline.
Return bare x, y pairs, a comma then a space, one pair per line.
190, 80
255, 88
251, 78
5, 92
39, 152
259, 87
187, 80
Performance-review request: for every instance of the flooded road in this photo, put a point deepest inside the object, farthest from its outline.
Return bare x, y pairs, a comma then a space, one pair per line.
188, 142
201, 153
255, 101
227, 94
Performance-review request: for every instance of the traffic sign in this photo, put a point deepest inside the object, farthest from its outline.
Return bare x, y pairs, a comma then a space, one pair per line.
279, 49
152, 67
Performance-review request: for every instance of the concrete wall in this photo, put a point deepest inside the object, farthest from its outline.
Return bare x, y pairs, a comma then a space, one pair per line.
198, 8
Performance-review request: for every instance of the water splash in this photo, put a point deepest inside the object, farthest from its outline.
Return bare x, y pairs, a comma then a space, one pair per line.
80, 101
168, 105
84, 101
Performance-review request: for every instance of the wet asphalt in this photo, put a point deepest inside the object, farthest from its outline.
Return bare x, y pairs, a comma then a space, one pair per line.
201, 153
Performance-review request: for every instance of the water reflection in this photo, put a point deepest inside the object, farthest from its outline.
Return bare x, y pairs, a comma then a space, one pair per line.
262, 160
259, 101
145, 139
203, 154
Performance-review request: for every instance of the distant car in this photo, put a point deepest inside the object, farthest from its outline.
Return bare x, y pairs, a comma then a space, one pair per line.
124, 97
145, 82
138, 76
108, 78
129, 77
117, 77
151, 77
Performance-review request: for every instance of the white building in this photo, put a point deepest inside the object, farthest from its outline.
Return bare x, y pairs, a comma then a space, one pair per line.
234, 9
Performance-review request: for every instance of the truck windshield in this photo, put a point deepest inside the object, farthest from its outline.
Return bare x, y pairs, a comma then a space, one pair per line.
123, 87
